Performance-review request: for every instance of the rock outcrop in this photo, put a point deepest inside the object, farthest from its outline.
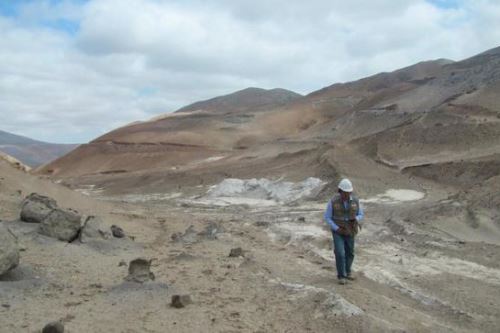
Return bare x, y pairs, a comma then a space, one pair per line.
9, 250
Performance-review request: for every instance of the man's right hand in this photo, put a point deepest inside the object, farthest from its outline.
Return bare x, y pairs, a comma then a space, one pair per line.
342, 231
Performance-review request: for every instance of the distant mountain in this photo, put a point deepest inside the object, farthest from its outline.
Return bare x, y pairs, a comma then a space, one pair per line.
31, 152
249, 99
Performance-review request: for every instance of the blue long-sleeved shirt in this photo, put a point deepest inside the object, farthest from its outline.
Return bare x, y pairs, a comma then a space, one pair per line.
329, 213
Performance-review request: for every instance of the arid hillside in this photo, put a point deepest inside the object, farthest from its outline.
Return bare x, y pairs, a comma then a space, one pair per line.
420, 120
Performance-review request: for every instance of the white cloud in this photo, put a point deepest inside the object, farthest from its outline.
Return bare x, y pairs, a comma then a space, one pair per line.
131, 59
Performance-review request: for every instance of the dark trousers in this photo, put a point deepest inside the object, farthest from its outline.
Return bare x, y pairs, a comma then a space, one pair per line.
343, 248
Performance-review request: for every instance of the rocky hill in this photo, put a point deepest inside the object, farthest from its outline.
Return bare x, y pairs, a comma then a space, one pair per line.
31, 152
249, 99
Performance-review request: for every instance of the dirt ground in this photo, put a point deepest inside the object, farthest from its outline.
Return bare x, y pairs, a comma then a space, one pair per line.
413, 274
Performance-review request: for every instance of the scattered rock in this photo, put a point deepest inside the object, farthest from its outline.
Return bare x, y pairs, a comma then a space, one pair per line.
9, 250
94, 228
236, 252
54, 327
262, 224
64, 225
180, 301
139, 270
211, 231
122, 263
184, 257
301, 219
117, 231
6, 305
189, 236
36, 207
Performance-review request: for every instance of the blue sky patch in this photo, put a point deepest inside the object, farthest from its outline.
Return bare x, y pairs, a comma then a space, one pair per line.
446, 4
70, 27
147, 91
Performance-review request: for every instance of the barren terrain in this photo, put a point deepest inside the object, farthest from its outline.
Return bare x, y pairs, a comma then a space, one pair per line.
421, 146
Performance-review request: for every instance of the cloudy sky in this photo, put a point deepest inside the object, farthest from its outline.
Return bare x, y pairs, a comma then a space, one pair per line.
71, 70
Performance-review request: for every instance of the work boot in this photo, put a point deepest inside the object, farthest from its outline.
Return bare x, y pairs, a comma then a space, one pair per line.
342, 281
350, 277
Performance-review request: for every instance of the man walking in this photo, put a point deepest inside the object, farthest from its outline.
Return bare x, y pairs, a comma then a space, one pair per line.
343, 214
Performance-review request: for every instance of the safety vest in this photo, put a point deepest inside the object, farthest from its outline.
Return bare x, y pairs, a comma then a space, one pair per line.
345, 217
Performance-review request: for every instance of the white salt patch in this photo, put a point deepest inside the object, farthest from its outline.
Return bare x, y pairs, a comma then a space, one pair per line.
265, 189
393, 196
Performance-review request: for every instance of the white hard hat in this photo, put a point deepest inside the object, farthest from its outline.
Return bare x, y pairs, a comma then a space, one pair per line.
345, 185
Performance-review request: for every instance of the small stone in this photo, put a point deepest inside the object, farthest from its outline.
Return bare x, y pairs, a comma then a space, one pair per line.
262, 224
236, 252
54, 327
180, 301
5, 305
117, 231
139, 271
122, 263
302, 219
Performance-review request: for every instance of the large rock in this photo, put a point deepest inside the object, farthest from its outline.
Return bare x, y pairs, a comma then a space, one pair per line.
61, 224
36, 207
94, 228
9, 250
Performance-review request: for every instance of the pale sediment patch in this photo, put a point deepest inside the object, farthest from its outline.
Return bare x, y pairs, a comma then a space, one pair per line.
89, 190
295, 232
139, 198
404, 263
301, 231
230, 201
211, 159
394, 266
394, 196
330, 302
